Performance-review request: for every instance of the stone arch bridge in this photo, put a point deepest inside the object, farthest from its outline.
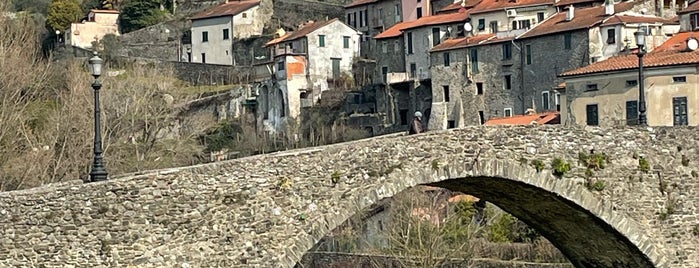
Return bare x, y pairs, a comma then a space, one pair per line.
245, 212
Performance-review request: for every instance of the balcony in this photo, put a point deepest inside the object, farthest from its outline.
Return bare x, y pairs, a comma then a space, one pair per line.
262, 71
394, 78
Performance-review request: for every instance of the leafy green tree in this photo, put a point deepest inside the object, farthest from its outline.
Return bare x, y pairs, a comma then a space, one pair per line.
138, 14
88, 5
62, 13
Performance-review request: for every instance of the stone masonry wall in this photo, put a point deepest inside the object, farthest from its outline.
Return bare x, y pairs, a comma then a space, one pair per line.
549, 59
347, 260
211, 74
292, 13
268, 210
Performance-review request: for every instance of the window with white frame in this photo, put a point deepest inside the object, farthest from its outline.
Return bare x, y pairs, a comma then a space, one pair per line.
545, 98
508, 112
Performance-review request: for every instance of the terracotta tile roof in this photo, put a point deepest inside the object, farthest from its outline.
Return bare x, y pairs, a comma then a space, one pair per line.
584, 18
493, 5
226, 9
109, 11
301, 32
457, 5
693, 7
672, 52
530, 119
438, 19
456, 43
564, 3
395, 30
357, 3
628, 18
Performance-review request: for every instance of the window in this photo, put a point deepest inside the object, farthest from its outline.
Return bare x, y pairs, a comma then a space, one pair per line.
447, 60
557, 99
410, 43
203, 57
567, 40
679, 111
349, 19
611, 36
384, 47
679, 79
631, 83
481, 24
539, 16
413, 70
396, 47
366, 17
481, 117
419, 12
632, 113
494, 26
435, 36
507, 51
521, 24
545, 100
280, 66
345, 41
397, 12
384, 73
479, 88
508, 112
321, 40
528, 51
361, 18
205, 36
694, 21
245, 15
354, 19
403, 116
451, 124
591, 87
226, 34
474, 60
446, 93
592, 116
508, 82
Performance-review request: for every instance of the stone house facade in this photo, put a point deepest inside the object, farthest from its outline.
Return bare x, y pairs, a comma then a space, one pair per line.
372, 17
213, 31
98, 24
306, 62
606, 93
689, 17
509, 18
574, 39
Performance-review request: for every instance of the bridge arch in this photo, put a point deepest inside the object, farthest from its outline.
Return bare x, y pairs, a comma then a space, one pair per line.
588, 231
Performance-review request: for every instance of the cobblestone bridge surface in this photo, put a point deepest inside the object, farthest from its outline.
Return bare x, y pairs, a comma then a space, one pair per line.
267, 210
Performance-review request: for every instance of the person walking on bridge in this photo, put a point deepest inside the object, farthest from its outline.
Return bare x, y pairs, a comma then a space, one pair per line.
416, 125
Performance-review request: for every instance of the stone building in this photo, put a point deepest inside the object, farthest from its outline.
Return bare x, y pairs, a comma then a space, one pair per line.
372, 17
214, 30
573, 39
511, 17
689, 17
306, 62
606, 93
97, 24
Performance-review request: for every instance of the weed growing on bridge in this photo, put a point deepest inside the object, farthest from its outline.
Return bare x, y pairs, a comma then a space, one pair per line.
538, 165
643, 165
598, 185
284, 183
695, 231
593, 161
685, 160
335, 177
560, 167
385, 171
523, 161
435, 164
670, 208
694, 174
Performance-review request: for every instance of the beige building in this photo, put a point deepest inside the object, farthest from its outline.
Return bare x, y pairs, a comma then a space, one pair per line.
213, 30
306, 62
606, 93
98, 24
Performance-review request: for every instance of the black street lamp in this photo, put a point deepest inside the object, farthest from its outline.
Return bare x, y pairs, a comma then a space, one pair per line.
99, 172
641, 42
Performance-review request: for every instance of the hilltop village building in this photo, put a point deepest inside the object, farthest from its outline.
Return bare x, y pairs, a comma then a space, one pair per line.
98, 23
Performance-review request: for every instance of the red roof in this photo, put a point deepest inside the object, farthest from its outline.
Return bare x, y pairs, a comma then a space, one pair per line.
109, 11
673, 52
438, 19
530, 119
456, 43
231, 8
584, 18
457, 5
493, 5
626, 18
395, 30
564, 3
301, 32
690, 8
356, 3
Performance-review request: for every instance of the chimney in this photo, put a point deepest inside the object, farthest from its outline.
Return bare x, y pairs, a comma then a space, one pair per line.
609, 7
570, 13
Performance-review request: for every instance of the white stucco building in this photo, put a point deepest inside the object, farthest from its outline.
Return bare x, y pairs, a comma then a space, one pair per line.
306, 62
98, 24
213, 30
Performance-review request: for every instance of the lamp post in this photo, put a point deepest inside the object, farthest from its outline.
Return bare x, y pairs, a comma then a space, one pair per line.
58, 38
98, 172
640, 43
